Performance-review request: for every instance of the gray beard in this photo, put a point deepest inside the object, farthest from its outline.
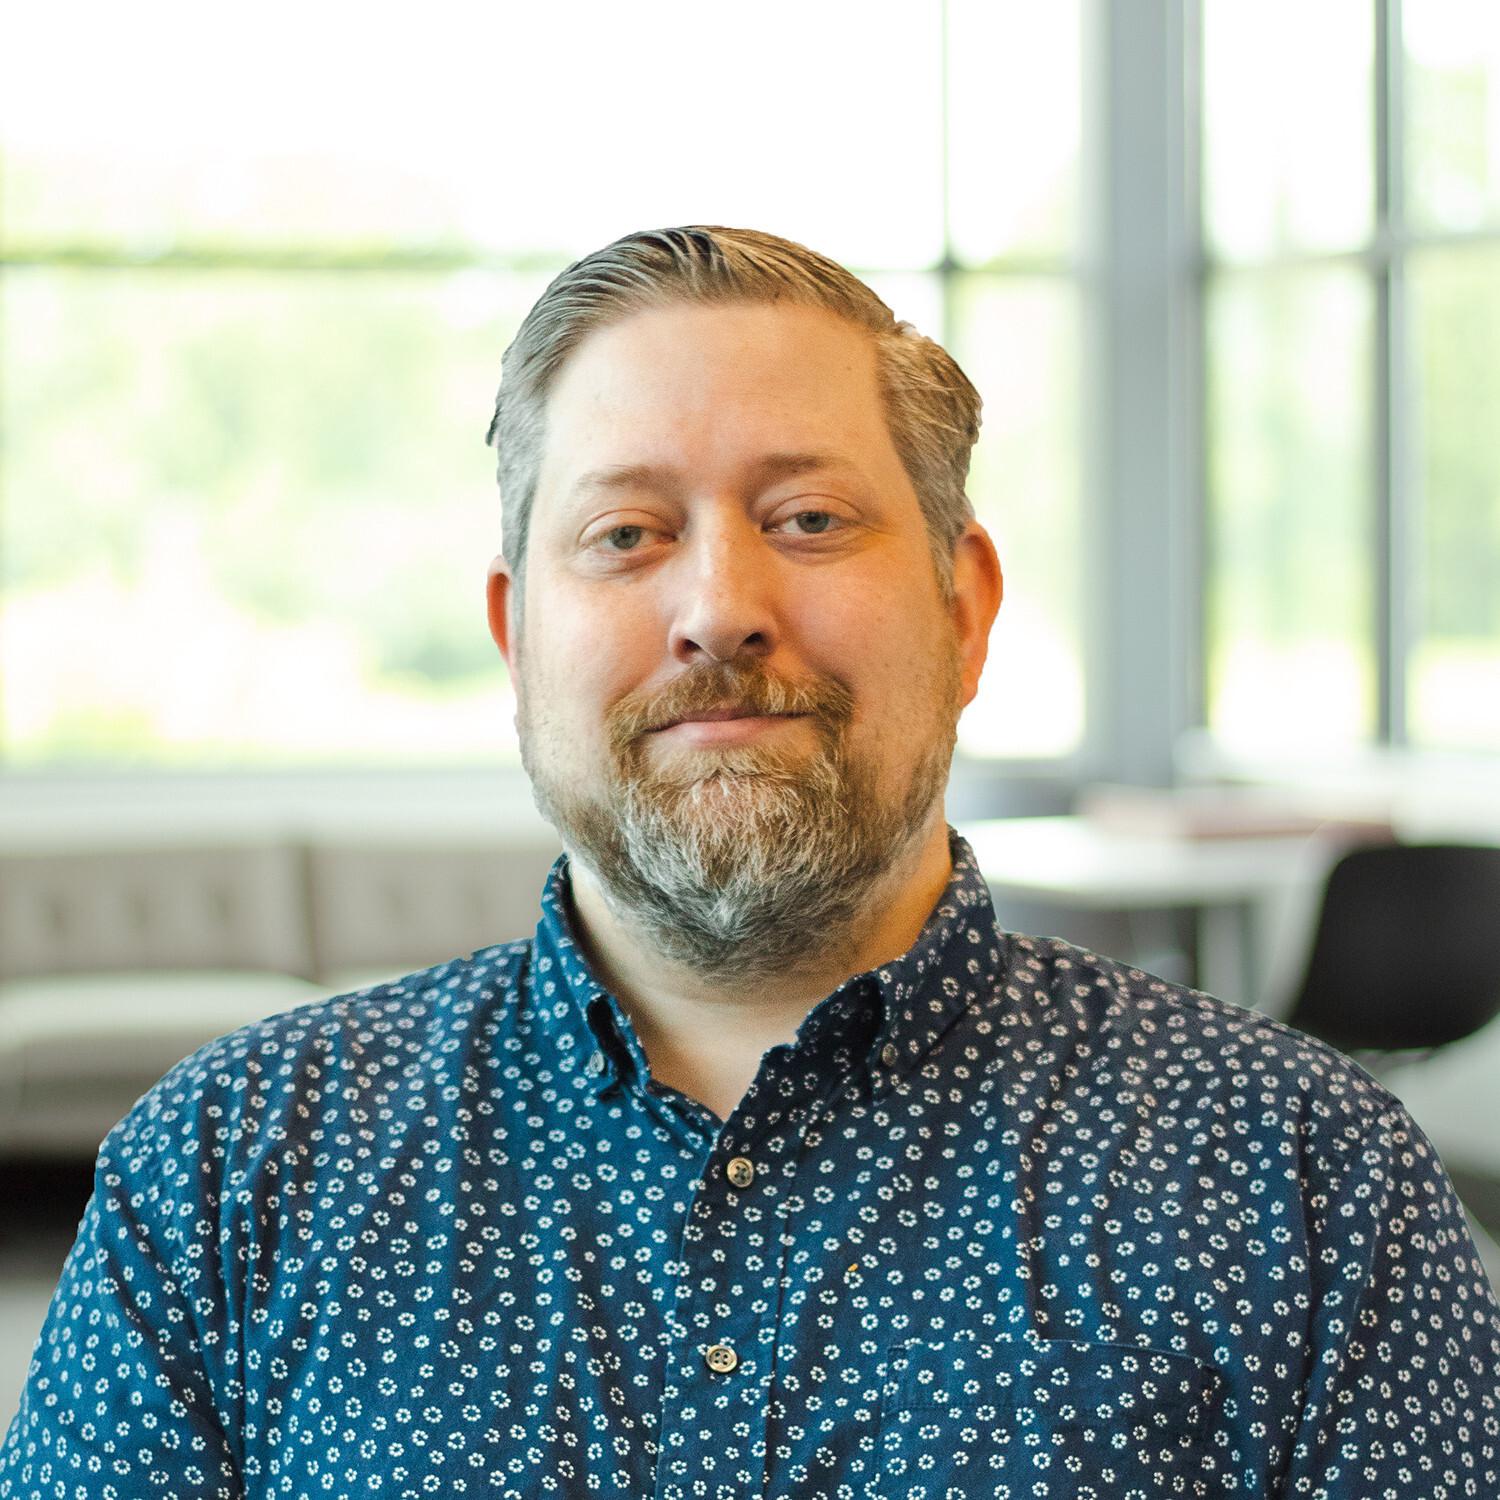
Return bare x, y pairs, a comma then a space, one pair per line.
745, 862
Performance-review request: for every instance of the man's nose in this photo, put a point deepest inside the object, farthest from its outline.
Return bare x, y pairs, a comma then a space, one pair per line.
725, 606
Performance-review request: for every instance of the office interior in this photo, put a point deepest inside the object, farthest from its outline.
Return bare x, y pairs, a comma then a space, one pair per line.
1227, 275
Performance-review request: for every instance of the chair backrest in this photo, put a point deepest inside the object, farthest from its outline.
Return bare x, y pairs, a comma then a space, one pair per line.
1407, 948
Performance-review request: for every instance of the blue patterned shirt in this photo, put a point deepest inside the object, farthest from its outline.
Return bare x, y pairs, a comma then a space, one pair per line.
1007, 1219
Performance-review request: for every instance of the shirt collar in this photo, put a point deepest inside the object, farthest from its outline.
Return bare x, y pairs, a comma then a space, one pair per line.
892, 1015
591, 1025
960, 957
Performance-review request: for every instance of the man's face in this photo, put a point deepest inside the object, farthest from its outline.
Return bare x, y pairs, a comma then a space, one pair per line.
722, 527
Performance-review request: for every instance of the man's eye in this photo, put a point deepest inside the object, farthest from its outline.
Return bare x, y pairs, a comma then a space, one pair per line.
812, 522
622, 538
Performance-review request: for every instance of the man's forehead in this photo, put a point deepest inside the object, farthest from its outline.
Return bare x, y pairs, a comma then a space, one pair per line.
753, 392
683, 351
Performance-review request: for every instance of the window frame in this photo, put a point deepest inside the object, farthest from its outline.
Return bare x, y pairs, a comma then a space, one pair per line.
1395, 488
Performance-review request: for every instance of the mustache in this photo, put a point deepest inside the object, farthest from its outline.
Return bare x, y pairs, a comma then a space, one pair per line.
704, 688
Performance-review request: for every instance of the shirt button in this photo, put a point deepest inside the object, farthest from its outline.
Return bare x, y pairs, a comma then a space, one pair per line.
595, 1065
888, 1054
740, 1171
721, 1359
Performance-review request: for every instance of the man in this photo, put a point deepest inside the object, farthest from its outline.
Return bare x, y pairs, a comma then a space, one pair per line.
771, 1166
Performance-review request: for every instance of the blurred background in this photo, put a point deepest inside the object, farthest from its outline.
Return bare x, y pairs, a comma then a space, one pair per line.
1227, 275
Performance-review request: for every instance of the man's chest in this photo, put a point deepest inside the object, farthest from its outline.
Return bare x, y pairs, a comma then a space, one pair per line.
870, 1299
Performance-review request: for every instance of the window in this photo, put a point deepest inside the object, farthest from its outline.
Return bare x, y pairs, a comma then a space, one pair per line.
255, 281
1352, 329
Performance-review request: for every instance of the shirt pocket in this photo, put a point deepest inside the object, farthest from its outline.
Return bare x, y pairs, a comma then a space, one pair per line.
1043, 1419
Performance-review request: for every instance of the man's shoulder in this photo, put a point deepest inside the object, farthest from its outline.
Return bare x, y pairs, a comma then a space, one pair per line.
1186, 1049
375, 1033
445, 998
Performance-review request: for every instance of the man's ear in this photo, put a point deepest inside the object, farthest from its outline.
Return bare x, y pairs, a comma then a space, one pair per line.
978, 587
501, 596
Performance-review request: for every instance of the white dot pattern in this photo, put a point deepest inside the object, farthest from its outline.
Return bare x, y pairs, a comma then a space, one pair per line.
1020, 1222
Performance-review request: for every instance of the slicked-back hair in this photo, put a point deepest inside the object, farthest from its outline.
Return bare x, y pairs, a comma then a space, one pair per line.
931, 408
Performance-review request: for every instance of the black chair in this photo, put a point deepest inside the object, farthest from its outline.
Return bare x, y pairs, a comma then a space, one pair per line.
1406, 955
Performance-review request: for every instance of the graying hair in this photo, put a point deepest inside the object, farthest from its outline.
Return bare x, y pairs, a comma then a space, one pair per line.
931, 407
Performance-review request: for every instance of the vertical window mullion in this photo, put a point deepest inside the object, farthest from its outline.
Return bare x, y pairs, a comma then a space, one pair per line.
1392, 498
1193, 454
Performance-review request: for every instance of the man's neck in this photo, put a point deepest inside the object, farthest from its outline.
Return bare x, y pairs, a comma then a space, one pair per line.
706, 1037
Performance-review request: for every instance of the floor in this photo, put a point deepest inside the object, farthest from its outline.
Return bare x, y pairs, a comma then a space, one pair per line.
1452, 1096
42, 1208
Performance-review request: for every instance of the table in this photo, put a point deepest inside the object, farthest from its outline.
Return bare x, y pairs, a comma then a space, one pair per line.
1226, 882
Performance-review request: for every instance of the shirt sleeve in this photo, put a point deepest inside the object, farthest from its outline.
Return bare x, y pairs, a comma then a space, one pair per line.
1402, 1397
117, 1404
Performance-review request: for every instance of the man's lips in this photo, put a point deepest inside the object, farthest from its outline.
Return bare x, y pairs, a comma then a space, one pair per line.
718, 715
722, 727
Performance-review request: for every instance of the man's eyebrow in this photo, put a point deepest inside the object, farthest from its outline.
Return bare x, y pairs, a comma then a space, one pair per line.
624, 477
787, 465
666, 480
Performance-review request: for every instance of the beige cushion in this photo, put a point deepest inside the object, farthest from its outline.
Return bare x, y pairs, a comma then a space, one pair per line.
381, 910
115, 911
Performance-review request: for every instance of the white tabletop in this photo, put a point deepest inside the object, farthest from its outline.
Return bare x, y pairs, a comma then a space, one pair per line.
1085, 863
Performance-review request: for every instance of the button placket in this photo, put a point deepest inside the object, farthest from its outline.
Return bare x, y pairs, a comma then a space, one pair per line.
732, 1255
